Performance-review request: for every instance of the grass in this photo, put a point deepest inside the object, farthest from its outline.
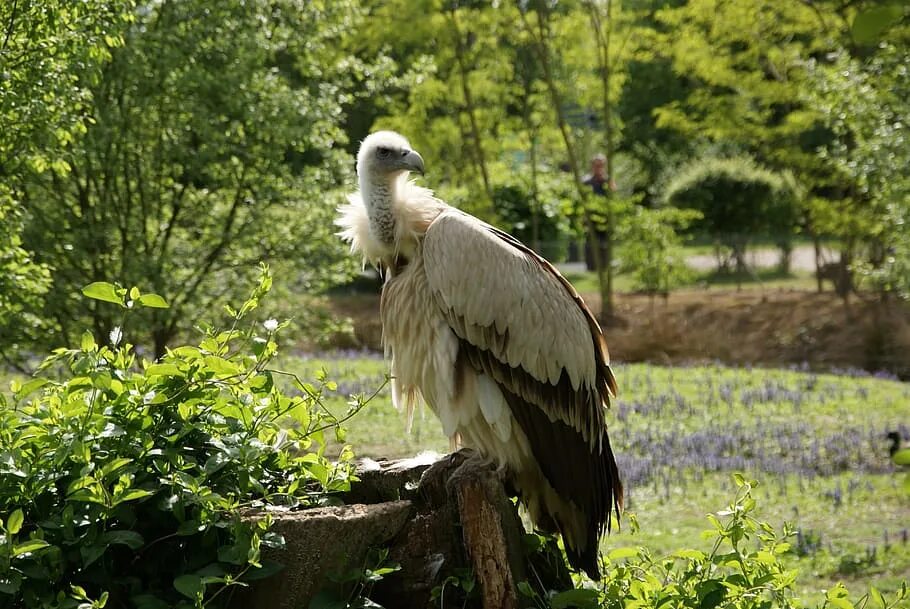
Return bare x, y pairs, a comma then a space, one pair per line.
815, 443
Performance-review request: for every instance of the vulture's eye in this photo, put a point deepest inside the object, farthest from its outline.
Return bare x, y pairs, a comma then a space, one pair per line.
383, 153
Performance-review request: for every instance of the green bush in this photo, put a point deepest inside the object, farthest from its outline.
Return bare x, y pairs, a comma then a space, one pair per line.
651, 248
738, 200
122, 481
514, 202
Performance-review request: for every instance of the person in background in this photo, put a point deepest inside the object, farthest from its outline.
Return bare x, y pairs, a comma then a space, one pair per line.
598, 179
600, 183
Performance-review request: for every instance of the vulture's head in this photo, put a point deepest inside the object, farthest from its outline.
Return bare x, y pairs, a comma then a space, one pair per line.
386, 154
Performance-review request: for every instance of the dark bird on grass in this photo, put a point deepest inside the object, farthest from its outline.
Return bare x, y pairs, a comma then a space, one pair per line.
497, 343
899, 456
895, 438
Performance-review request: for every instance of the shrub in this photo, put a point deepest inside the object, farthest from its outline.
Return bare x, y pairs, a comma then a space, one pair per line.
738, 200
514, 204
122, 481
652, 248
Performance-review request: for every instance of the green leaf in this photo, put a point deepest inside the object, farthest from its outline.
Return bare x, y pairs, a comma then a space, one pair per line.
88, 341
130, 495
712, 599
101, 290
526, 589
10, 582
327, 599
840, 603
901, 457
189, 527
163, 370
219, 365
869, 25
131, 539
876, 597
581, 597
153, 301
134, 293
112, 466
14, 524
29, 546
268, 568
189, 586
148, 601
91, 553
690, 554
620, 553
30, 387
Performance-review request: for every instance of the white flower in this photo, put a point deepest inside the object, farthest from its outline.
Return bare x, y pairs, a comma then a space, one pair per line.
116, 336
271, 324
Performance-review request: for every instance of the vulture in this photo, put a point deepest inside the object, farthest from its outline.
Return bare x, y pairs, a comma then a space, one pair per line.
495, 341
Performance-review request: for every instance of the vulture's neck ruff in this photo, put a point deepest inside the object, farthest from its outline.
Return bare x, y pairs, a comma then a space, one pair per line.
379, 194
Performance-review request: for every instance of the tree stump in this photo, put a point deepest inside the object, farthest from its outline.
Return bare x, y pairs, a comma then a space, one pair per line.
441, 520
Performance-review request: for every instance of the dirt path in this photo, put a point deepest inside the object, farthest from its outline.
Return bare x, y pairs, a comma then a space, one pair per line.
801, 259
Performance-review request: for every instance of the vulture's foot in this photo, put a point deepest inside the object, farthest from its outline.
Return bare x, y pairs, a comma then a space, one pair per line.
434, 480
437, 481
454, 460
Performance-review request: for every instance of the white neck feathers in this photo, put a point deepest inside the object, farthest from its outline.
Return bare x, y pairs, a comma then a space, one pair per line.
385, 220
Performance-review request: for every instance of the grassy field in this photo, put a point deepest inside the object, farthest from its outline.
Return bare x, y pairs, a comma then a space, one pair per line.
814, 442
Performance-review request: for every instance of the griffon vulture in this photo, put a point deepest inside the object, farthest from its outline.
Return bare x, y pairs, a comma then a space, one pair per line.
496, 342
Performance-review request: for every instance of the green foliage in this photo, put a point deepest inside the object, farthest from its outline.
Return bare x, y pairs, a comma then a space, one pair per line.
742, 570
49, 51
212, 146
124, 481
652, 247
463, 584
872, 22
737, 200
352, 590
864, 104
23, 284
539, 221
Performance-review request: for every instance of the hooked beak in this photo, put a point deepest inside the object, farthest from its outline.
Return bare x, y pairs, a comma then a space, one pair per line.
411, 161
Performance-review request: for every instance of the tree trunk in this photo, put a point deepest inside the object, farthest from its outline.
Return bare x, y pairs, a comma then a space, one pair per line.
161, 337
540, 46
470, 107
816, 243
603, 36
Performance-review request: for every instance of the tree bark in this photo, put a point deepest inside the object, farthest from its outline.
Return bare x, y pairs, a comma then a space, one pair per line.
471, 107
542, 51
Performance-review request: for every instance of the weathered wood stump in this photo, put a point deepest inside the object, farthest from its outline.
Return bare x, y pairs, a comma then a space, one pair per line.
320, 543
436, 520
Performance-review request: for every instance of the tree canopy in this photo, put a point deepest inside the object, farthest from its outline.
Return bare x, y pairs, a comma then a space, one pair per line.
176, 144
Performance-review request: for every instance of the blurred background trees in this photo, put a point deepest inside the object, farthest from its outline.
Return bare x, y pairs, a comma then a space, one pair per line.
175, 144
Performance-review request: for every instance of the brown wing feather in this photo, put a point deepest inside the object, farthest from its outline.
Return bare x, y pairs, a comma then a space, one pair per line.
589, 480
